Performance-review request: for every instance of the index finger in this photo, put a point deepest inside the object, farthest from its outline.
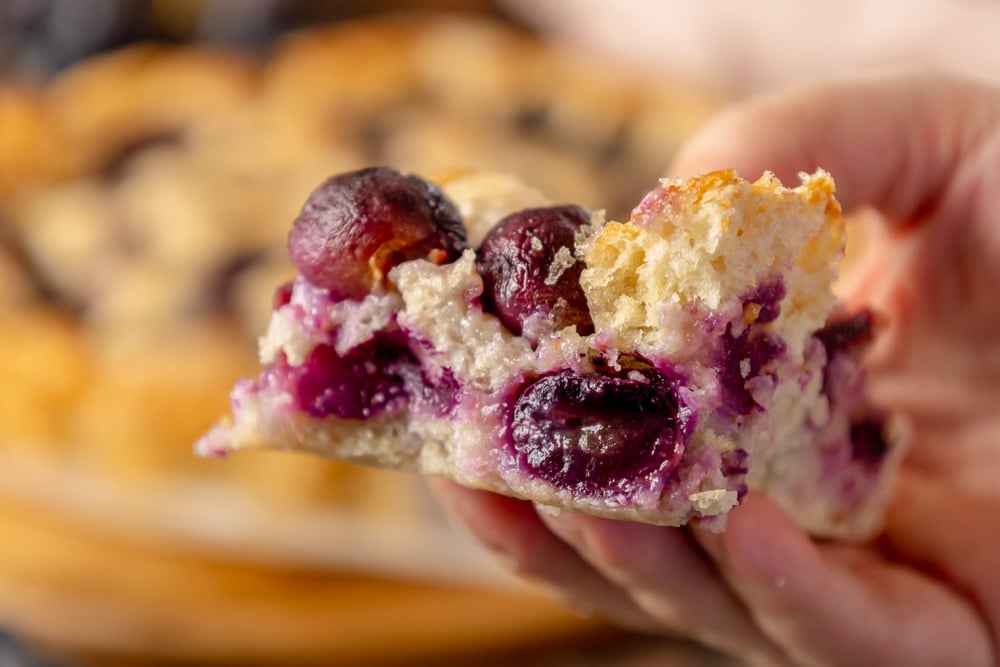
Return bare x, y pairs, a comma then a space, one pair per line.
891, 141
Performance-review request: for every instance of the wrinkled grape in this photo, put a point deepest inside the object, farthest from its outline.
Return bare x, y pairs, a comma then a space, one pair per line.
531, 277
356, 226
598, 435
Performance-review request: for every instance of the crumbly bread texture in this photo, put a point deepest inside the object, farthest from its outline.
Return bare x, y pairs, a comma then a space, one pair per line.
700, 243
722, 284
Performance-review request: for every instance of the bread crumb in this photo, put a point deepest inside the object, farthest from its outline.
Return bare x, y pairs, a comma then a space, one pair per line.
716, 501
560, 263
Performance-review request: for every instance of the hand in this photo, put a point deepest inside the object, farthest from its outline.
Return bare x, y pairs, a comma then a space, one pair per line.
924, 151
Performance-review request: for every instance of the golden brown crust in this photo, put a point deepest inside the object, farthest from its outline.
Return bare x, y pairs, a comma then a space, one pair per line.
107, 103
28, 147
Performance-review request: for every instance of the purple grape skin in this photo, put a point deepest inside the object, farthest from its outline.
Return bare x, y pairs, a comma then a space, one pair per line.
868, 441
364, 383
377, 377
598, 435
514, 261
848, 334
356, 226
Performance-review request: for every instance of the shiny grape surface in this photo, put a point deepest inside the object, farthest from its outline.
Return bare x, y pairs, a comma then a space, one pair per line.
357, 226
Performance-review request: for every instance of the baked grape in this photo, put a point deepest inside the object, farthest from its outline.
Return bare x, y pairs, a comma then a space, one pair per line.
848, 334
356, 226
365, 382
598, 435
868, 440
531, 276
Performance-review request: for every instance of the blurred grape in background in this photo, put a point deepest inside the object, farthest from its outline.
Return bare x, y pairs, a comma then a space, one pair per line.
44, 36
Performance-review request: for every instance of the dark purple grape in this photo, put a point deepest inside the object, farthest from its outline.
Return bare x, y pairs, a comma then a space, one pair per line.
598, 435
365, 382
379, 376
848, 334
531, 278
356, 226
868, 441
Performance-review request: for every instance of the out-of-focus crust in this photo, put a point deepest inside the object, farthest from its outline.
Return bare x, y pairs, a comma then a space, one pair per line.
101, 104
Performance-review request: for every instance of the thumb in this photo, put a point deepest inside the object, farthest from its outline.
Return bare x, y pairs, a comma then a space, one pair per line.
890, 141
953, 534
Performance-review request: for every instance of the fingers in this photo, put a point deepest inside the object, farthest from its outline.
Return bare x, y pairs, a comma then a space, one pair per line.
890, 142
837, 604
666, 573
762, 590
512, 530
953, 534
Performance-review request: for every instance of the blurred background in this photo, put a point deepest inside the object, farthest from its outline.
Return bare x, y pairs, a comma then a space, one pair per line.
152, 156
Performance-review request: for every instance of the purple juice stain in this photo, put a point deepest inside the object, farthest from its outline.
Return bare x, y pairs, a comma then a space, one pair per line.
736, 463
845, 337
745, 356
599, 435
767, 295
363, 383
380, 376
435, 396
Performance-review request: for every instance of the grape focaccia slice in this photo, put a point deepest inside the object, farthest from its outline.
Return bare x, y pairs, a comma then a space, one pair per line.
651, 370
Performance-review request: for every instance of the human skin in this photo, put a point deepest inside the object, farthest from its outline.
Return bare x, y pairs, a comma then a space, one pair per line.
923, 150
